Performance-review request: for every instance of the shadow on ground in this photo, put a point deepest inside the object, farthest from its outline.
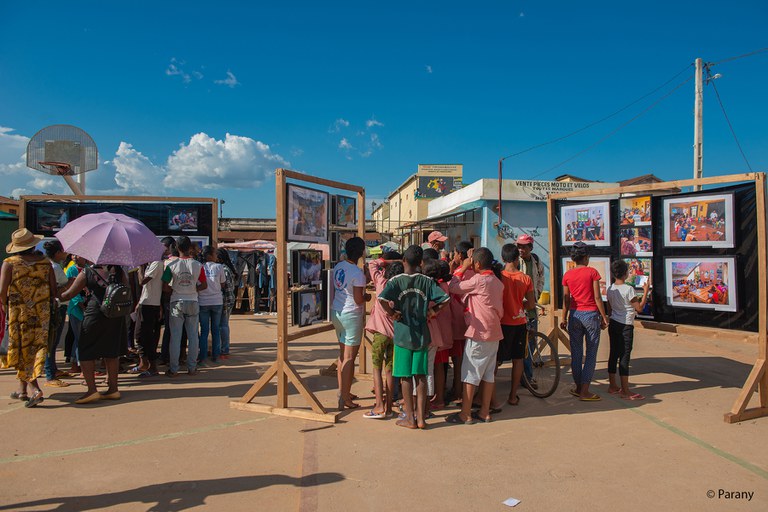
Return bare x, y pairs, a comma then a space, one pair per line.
175, 496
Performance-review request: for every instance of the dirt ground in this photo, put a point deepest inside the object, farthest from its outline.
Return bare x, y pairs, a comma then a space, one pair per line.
171, 445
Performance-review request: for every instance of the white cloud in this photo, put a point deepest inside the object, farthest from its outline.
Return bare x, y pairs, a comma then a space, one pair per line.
18, 179
429, 69
135, 173
345, 144
372, 122
338, 125
207, 163
176, 68
230, 81
375, 142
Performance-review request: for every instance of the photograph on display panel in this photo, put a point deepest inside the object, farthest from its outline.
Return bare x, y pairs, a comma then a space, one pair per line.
307, 266
640, 272
586, 222
647, 312
603, 267
702, 282
338, 245
635, 241
345, 211
183, 219
635, 211
308, 307
307, 214
699, 221
52, 218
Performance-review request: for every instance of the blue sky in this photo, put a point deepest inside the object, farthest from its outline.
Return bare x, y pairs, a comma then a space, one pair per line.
365, 91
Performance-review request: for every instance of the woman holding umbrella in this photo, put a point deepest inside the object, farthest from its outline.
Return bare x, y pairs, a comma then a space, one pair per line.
100, 336
27, 288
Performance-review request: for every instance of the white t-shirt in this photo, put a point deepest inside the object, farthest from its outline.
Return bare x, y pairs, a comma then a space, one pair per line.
620, 298
346, 276
182, 274
61, 280
212, 296
153, 290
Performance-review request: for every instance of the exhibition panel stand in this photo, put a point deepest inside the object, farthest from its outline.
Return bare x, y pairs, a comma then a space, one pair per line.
282, 369
701, 252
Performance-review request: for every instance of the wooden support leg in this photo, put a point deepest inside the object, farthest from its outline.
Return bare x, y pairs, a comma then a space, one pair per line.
739, 412
260, 383
302, 388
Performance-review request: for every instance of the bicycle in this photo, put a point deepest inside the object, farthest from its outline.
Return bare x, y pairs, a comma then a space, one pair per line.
545, 365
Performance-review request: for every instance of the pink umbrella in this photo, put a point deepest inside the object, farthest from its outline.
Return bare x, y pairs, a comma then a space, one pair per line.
111, 239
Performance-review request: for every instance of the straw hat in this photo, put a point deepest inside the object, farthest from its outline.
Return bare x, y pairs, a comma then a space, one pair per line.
21, 240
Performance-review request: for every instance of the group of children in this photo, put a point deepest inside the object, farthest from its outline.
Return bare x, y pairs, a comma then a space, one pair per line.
473, 310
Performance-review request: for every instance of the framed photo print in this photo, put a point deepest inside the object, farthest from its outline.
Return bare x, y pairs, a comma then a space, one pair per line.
635, 241
345, 211
647, 312
307, 214
51, 218
586, 222
182, 219
699, 221
635, 211
701, 282
640, 272
306, 267
308, 307
601, 264
338, 244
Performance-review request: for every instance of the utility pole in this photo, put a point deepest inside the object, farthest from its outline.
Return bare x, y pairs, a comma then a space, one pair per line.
698, 129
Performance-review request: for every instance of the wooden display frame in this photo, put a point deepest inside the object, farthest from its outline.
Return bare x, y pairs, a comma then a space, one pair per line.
282, 367
758, 377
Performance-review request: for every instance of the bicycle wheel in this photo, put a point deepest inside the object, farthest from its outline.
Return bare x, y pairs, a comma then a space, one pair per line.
545, 366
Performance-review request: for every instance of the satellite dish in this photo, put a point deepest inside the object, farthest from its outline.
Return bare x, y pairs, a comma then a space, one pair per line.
63, 150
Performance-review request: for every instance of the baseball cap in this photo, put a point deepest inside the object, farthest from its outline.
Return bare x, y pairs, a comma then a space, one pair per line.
525, 240
436, 236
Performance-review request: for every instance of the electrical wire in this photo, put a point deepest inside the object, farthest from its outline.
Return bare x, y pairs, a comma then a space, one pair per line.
590, 125
615, 130
729, 59
711, 81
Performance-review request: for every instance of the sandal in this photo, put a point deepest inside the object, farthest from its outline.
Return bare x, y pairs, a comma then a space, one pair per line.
406, 424
516, 402
634, 396
19, 396
135, 370
37, 398
592, 398
370, 415
476, 416
575, 393
57, 383
455, 419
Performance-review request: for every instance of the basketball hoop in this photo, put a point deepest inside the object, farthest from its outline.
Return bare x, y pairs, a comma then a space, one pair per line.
60, 168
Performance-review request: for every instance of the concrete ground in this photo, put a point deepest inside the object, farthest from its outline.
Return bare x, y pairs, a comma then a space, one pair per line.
173, 445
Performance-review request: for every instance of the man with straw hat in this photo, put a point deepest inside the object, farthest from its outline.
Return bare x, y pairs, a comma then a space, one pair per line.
27, 289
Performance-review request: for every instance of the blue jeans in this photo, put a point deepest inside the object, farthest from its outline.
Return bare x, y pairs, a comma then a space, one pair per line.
224, 328
50, 360
184, 317
583, 324
210, 317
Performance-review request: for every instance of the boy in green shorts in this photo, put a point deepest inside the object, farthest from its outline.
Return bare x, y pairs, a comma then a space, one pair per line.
410, 294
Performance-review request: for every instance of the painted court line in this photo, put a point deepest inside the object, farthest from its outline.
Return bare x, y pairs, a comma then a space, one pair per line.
130, 442
695, 440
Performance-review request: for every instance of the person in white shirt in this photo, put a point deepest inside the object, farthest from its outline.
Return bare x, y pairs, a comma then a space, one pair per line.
184, 278
148, 314
211, 302
624, 306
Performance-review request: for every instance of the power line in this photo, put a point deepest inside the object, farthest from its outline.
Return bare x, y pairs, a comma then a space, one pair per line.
590, 125
616, 130
722, 107
729, 59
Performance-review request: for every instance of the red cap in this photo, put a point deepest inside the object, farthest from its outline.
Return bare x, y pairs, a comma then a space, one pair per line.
525, 240
436, 236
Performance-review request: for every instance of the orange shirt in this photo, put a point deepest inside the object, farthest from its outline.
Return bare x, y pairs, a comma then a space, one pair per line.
516, 285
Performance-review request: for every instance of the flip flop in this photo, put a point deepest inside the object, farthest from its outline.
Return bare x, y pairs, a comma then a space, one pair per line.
593, 398
370, 415
476, 416
19, 396
575, 393
135, 370
614, 391
516, 402
56, 383
455, 419
634, 396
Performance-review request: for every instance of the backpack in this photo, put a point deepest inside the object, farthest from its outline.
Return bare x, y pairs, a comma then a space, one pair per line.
117, 298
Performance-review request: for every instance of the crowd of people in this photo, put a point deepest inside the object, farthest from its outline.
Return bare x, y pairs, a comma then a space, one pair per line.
181, 299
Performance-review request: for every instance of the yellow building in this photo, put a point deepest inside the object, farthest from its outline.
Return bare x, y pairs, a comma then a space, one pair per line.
409, 203
9, 205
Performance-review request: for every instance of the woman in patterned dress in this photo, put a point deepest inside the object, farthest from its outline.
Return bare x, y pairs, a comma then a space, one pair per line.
27, 288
